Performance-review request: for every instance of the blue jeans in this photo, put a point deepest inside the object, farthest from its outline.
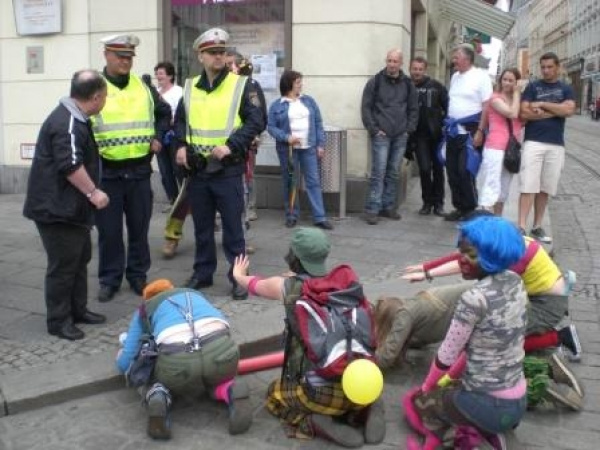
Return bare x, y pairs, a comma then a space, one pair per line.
490, 414
386, 155
307, 161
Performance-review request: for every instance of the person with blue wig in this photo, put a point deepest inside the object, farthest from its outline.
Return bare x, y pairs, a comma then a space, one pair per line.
486, 337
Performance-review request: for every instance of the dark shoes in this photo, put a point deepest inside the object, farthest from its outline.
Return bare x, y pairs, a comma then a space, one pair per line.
425, 210
106, 293
325, 225
438, 210
239, 293
390, 214
90, 318
371, 218
68, 331
290, 223
137, 285
453, 216
338, 432
197, 283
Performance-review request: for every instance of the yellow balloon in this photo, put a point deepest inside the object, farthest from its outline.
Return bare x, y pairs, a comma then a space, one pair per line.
362, 382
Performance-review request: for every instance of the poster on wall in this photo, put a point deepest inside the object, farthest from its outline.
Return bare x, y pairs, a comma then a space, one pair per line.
265, 70
264, 44
38, 16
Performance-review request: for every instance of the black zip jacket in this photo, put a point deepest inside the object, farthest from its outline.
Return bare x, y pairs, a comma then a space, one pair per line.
433, 108
65, 143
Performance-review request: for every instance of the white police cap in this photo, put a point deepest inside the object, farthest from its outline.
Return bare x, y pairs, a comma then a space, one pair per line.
213, 38
121, 44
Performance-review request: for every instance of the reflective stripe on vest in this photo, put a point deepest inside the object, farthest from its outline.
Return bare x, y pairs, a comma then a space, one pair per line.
212, 116
125, 127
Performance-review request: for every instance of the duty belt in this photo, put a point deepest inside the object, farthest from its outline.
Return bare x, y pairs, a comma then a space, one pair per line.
194, 345
204, 150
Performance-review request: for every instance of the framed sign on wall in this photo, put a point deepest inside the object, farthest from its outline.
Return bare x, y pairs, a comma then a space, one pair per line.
38, 16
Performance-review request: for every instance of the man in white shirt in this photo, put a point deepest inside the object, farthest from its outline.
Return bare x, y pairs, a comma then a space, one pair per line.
470, 91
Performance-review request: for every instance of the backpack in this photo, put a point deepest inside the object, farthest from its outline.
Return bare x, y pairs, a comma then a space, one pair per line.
333, 323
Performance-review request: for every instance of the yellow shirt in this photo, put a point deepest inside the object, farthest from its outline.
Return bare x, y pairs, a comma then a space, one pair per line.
541, 273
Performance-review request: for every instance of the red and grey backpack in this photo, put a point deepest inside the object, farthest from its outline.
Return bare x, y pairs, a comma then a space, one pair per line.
332, 322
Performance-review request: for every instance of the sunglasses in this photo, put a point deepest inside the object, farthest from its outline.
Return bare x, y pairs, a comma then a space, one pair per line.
215, 51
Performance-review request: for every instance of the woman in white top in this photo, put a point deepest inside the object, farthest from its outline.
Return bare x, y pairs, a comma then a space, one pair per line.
171, 94
295, 122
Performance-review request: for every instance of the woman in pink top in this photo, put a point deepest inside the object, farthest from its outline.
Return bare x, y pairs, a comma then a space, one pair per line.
493, 179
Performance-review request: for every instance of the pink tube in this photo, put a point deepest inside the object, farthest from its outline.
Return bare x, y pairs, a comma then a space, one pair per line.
258, 363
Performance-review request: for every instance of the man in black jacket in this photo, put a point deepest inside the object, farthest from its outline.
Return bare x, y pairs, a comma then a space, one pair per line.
389, 112
215, 124
433, 107
61, 198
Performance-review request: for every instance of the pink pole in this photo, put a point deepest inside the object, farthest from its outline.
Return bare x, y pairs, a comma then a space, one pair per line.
258, 363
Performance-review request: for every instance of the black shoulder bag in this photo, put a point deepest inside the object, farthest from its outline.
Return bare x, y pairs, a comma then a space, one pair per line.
512, 154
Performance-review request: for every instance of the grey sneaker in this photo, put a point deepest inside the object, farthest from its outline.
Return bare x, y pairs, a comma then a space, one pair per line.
540, 235
375, 423
159, 422
562, 374
340, 433
561, 394
371, 218
240, 408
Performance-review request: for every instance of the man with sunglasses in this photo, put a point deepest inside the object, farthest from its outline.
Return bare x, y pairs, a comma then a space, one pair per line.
215, 123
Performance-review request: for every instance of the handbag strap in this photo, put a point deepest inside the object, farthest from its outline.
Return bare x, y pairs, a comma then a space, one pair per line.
510, 127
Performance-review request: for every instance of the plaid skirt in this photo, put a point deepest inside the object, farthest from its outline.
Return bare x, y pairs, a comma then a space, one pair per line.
293, 403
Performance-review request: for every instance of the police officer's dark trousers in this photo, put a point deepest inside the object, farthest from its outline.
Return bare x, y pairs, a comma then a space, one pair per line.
130, 195
208, 195
69, 250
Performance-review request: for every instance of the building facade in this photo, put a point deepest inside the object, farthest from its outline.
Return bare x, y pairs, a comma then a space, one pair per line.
336, 44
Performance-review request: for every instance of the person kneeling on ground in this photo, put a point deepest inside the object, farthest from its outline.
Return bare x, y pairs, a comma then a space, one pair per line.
548, 290
486, 333
423, 319
311, 405
196, 355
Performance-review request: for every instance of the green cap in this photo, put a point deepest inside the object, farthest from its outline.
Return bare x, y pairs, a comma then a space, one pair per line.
311, 247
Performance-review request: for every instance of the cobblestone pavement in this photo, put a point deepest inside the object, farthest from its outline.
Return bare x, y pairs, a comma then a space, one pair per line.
115, 420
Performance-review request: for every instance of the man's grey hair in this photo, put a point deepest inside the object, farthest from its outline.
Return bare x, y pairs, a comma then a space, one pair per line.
467, 50
86, 83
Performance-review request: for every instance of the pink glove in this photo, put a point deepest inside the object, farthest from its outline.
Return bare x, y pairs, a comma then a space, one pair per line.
434, 375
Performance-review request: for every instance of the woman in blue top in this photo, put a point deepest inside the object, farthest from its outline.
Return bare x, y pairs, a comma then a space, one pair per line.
196, 355
296, 125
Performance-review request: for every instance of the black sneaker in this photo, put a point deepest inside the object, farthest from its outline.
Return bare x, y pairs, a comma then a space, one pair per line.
106, 293
390, 214
290, 223
425, 210
540, 235
197, 283
570, 340
453, 216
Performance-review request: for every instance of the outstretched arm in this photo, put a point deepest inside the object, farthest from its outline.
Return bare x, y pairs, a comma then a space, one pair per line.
271, 288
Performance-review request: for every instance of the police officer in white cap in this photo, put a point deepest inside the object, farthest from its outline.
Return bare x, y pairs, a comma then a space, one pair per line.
213, 138
128, 132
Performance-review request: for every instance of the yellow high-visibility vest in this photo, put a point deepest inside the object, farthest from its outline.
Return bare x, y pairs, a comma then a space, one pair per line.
212, 116
125, 127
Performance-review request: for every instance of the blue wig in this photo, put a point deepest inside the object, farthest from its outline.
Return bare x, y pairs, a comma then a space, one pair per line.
498, 242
